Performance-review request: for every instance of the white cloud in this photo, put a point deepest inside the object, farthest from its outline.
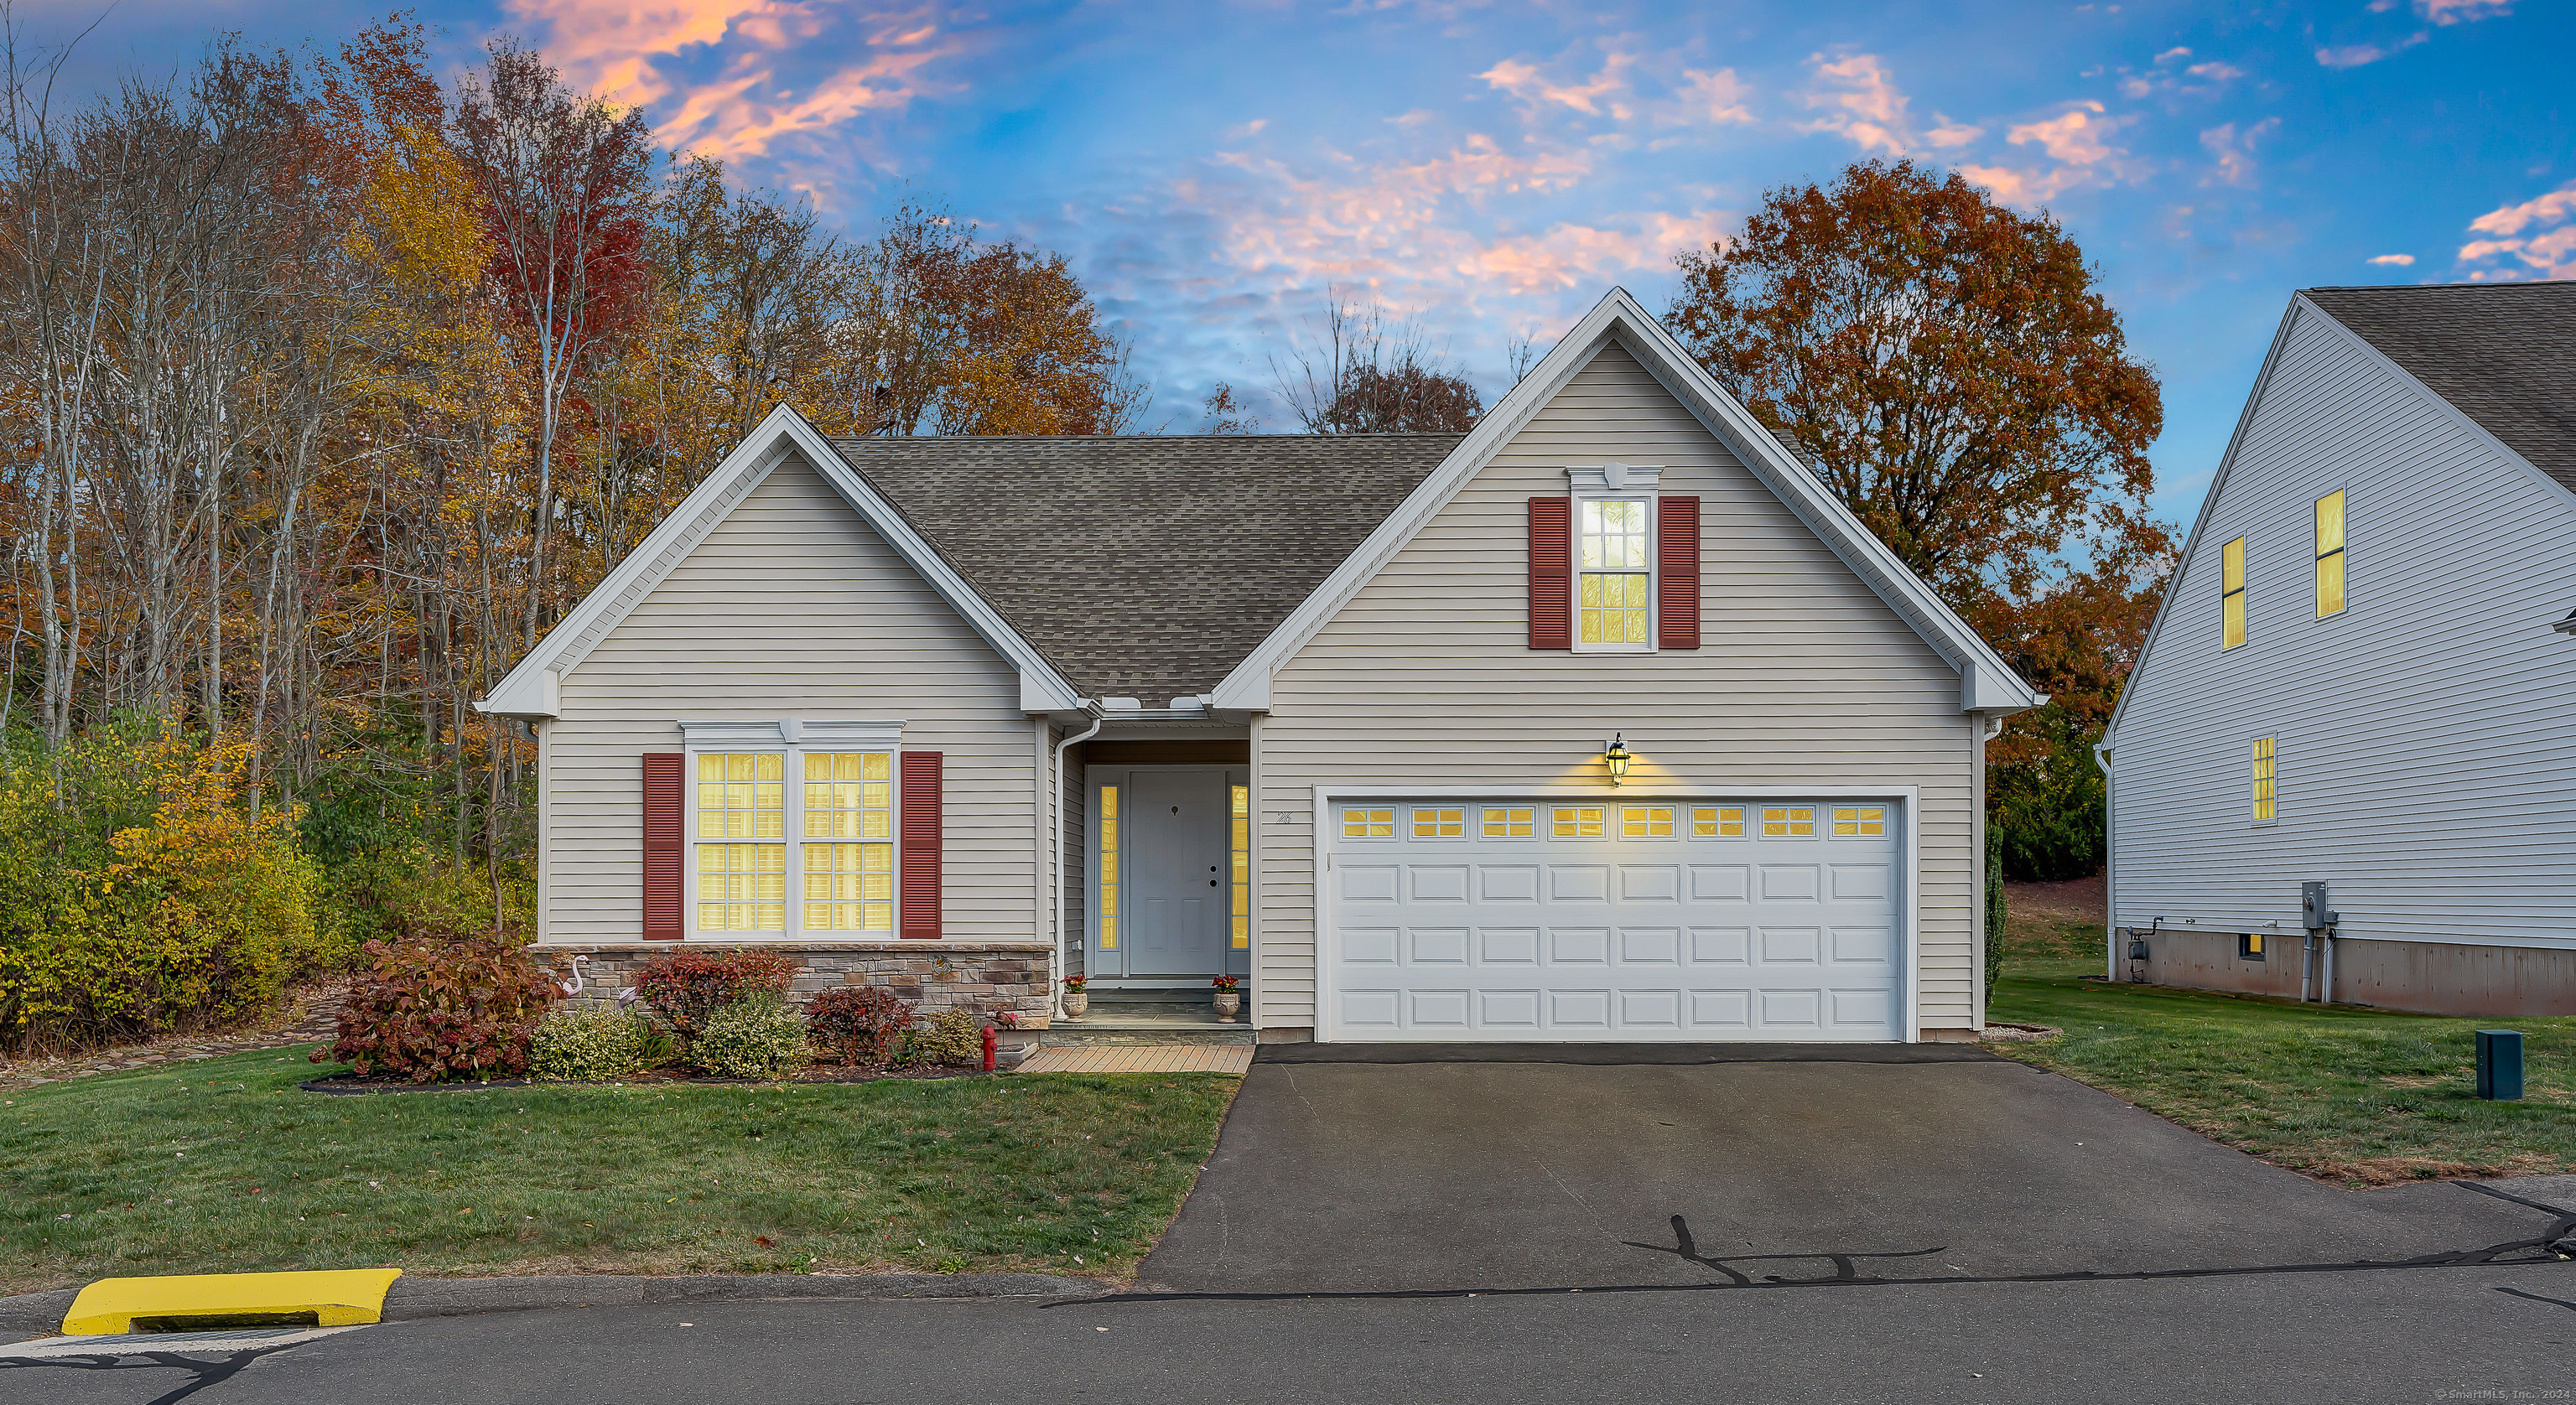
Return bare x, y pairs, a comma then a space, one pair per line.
1857, 99
2395, 260
2233, 149
1601, 95
1708, 98
2355, 55
2539, 234
2462, 11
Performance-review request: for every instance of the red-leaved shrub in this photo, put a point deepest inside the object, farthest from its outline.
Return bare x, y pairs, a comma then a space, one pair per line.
434, 1006
857, 1024
690, 984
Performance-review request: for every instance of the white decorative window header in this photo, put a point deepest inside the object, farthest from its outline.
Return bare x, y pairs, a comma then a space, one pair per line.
790, 731
1614, 477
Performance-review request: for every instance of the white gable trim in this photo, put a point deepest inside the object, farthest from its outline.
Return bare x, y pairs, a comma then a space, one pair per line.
2300, 307
532, 689
1987, 684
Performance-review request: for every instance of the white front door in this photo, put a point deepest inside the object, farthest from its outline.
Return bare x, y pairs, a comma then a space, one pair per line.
1638, 919
1172, 873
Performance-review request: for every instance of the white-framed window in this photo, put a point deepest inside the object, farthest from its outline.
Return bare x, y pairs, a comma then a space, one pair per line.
1859, 821
1511, 821
1717, 822
2330, 535
2267, 782
1575, 821
792, 828
1788, 822
1439, 822
1368, 822
1614, 581
2231, 595
1645, 821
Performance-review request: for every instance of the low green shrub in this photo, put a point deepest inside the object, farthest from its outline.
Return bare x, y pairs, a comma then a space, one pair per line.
593, 1044
437, 1007
141, 894
953, 1036
757, 1036
688, 986
857, 1024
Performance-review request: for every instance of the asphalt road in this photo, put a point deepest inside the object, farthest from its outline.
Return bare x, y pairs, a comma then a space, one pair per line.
1780, 1226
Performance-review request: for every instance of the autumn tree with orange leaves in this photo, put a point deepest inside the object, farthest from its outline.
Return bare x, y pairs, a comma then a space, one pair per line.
1949, 369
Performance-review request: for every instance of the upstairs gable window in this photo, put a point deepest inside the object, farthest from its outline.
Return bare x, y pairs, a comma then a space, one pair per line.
2231, 599
1615, 586
2330, 554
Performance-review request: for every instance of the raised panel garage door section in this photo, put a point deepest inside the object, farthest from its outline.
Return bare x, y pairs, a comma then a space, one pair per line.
1629, 920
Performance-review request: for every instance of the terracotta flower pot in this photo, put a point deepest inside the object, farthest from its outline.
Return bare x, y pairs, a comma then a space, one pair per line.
1227, 1003
1075, 1002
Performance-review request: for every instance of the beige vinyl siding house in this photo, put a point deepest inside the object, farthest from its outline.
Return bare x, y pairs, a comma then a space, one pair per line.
1791, 851
1806, 676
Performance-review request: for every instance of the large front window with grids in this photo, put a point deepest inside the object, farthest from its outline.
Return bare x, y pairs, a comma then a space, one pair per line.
752, 877
1616, 587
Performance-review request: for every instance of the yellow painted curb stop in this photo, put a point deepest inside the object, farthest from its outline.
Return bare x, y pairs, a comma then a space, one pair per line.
345, 1297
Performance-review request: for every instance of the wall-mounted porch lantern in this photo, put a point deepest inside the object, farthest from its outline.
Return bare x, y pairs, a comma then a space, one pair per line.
1616, 758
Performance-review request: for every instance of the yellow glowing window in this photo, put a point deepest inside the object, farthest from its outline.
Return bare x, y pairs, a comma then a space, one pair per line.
1240, 846
1859, 821
849, 795
1575, 821
1439, 824
2252, 945
1646, 821
2231, 599
1617, 589
1717, 822
2330, 554
1360, 822
1510, 822
742, 887
849, 887
2266, 781
1109, 868
742, 795
1788, 822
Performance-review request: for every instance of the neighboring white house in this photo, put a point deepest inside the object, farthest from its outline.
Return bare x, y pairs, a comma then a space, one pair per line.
2364, 674
1333, 714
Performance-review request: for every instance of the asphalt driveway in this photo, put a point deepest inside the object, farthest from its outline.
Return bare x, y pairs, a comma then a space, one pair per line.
1378, 1169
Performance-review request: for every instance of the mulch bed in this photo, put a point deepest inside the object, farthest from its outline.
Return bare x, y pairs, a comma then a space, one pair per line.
347, 1084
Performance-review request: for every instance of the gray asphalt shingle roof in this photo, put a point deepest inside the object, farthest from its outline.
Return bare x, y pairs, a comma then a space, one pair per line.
1147, 567
2504, 354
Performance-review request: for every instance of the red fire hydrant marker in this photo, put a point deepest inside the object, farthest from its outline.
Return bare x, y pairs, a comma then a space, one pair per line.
988, 1048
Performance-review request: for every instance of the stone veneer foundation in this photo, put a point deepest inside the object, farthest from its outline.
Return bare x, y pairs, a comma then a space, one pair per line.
982, 977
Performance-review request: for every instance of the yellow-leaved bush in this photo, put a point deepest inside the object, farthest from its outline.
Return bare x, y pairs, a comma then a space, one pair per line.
141, 893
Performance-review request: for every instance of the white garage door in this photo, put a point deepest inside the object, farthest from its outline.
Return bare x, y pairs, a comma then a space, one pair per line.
1647, 919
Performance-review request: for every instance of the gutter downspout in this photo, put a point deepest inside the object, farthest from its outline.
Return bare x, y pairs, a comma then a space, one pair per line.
2110, 861
1054, 866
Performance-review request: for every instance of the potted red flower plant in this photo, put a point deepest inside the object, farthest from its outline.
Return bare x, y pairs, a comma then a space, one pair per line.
1077, 996
1228, 999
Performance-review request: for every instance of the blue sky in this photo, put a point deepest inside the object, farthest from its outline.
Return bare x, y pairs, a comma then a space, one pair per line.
1490, 168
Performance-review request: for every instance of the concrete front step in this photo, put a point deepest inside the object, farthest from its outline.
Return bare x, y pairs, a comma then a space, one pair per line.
1097, 1033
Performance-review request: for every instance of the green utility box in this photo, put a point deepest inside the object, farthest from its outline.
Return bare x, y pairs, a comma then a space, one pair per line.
2500, 1065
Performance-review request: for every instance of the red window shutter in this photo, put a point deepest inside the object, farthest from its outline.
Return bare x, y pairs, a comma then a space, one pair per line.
1551, 573
919, 889
662, 846
1677, 573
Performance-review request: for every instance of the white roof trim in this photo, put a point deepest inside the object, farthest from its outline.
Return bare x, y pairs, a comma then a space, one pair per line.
1987, 684
532, 689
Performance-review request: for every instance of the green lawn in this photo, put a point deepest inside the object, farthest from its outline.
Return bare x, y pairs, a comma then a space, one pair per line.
223, 1165
2362, 1097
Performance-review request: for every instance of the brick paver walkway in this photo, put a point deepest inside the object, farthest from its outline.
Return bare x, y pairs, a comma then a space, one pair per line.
1144, 1058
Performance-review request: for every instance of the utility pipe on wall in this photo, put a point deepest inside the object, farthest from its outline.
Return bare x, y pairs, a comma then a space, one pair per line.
2110, 863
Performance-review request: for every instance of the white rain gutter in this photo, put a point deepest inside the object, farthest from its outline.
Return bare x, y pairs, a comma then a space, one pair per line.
1053, 868
2110, 863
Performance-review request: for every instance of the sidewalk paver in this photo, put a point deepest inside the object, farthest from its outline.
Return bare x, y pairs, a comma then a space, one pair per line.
1150, 1058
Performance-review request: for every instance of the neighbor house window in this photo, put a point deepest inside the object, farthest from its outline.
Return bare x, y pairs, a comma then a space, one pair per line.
1439, 824
849, 800
2231, 600
1575, 821
2330, 554
1717, 822
1239, 838
2266, 781
1109, 868
1616, 592
1859, 821
1646, 821
1510, 822
742, 886
1789, 822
